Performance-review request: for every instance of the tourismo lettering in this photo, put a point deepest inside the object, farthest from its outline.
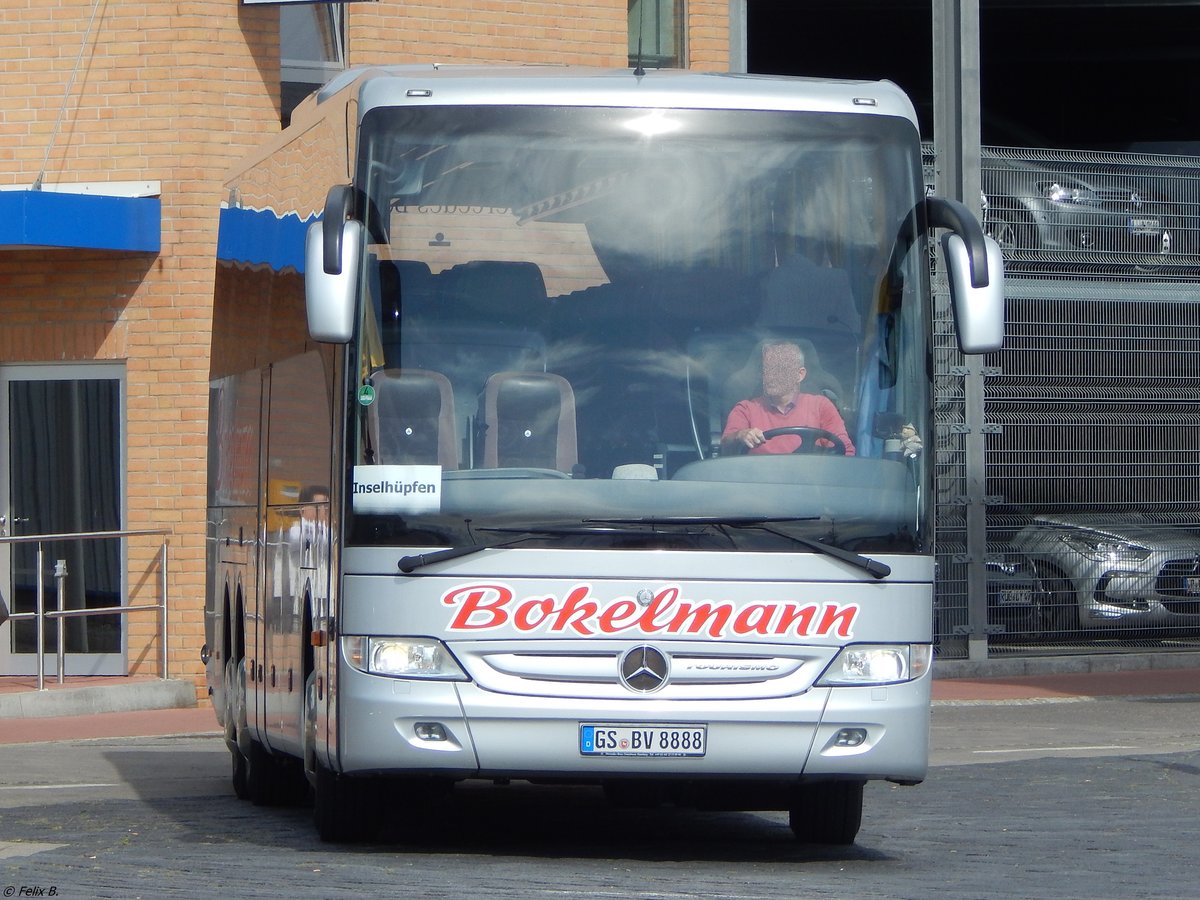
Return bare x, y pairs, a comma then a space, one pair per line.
403, 488
490, 606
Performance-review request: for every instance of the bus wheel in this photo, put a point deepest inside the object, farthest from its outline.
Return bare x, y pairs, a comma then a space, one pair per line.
827, 812
272, 780
240, 787
260, 775
345, 810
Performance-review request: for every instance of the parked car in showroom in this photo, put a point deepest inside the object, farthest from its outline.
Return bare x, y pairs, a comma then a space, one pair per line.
1019, 608
1040, 212
1103, 572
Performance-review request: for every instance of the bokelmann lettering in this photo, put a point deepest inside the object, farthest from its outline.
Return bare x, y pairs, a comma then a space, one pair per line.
491, 606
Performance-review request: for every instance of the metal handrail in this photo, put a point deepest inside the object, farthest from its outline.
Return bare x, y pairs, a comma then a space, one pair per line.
59, 614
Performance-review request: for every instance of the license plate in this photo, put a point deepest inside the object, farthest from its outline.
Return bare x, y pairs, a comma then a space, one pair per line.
1016, 597
1145, 226
597, 739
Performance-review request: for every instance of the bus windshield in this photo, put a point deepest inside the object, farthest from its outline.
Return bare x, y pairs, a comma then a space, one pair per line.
586, 327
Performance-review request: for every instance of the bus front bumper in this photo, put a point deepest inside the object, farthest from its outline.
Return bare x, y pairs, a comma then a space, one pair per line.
457, 730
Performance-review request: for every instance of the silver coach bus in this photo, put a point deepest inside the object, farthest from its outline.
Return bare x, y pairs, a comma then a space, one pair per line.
502, 485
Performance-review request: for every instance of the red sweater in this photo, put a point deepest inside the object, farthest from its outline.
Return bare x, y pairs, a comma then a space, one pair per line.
810, 410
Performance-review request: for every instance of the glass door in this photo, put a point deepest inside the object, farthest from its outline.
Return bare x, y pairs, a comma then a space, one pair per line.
62, 473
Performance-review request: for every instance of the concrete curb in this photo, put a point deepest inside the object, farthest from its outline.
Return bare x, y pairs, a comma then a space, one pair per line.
1064, 665
84, 701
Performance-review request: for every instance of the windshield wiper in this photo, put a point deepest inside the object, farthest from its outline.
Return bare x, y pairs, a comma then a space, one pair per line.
408, 564
736, 521
872, 567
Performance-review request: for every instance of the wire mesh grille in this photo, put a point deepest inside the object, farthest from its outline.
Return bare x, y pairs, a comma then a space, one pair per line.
1088, 214
1093, 412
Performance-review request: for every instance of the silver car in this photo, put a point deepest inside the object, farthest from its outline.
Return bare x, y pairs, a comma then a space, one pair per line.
1098, 571
1039, 213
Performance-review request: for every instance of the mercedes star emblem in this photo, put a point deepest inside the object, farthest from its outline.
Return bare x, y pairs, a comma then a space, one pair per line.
644, 669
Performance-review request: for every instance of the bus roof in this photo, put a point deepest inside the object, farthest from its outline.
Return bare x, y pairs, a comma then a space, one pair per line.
472, 85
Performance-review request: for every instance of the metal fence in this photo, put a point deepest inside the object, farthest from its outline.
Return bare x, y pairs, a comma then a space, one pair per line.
44, 617
1092, 413
1082, 214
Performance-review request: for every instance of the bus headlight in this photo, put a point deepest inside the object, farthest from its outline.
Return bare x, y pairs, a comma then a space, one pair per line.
400, 657
869, 664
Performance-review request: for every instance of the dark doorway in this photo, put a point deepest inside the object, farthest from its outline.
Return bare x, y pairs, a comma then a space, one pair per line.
62, 476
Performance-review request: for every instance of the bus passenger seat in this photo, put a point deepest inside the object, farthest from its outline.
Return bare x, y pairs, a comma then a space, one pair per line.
529, 422
498, 292
411, 421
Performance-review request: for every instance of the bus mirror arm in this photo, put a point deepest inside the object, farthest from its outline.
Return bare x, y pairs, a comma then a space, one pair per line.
950, 214
333, 254
338, 205
975, 271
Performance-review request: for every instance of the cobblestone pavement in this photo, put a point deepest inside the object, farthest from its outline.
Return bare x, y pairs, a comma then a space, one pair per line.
154, 817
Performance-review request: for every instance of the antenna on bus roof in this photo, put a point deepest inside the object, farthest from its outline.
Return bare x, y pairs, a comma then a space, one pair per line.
638, 70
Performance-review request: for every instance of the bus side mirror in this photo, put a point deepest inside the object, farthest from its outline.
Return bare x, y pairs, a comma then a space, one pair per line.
330, 296
978, 310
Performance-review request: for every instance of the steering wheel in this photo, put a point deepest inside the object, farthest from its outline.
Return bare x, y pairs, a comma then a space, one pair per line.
811, 436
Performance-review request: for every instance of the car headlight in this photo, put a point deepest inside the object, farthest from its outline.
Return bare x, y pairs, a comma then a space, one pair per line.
1102, 547
402, 657
1061, 193
1007, 565
871, 664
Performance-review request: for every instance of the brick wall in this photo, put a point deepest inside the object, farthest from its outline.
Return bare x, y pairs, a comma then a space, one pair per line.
175, 92
170, 92
591, 33
488, 31
708, 35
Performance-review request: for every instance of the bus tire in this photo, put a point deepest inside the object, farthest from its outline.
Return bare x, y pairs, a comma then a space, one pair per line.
241, 786
345, 810
238, 774
308, 728
827, 812
260, 776
273, 780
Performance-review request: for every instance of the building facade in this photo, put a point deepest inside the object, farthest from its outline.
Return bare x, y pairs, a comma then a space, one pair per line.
118, 121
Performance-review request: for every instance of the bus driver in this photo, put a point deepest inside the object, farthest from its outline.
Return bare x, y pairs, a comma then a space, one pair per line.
781, 405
